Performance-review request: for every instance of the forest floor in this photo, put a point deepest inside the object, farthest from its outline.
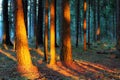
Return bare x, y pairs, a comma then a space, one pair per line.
100, 62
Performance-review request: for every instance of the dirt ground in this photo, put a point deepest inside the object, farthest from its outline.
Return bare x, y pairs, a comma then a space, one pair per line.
97, 63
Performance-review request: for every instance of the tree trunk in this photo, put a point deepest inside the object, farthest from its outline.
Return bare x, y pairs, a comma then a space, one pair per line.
80, 27
114, 27
32, 20
98, 17
46, 33
78, 24
59, 18
66, 51
117, 10
106, 28
84, 26
118, 25
52, 33
35, 18
114, 22
40, 24
56, 45
25, 9
94, 29
29, 20
89, 26
25, 66
6, 37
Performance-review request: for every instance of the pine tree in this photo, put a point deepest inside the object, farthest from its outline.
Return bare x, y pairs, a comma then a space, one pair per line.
85, 25
66, 50
52, 33
25, 66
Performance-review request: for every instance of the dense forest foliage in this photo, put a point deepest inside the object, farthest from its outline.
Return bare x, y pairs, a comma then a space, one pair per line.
60, 39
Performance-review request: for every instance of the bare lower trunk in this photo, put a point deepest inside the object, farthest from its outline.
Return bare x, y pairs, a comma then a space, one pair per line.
84, 26
6, 37
78, 20
40, 24
46, 33
89, 26
66, 51
118, 25
98, 28
52, 33
25, 66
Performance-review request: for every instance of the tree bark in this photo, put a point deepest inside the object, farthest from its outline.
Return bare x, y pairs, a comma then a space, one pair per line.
84, 26
78, 22
89, 26
40, 24
66, 50
25, 9
56, 45
6, 37
114, 27
94, 29
98, 17
25, 66
118, 25
46, 33
52, 33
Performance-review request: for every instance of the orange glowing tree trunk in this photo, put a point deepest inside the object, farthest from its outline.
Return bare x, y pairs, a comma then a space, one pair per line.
46, 33
84, 26
66, 51
52, 33
25, 66
98, 17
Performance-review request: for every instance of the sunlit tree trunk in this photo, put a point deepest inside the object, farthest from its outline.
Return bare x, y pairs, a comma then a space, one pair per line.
52, 33
84, 26
98, 17
25, 66
46, 32
118, 25
66, 51
6, 37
